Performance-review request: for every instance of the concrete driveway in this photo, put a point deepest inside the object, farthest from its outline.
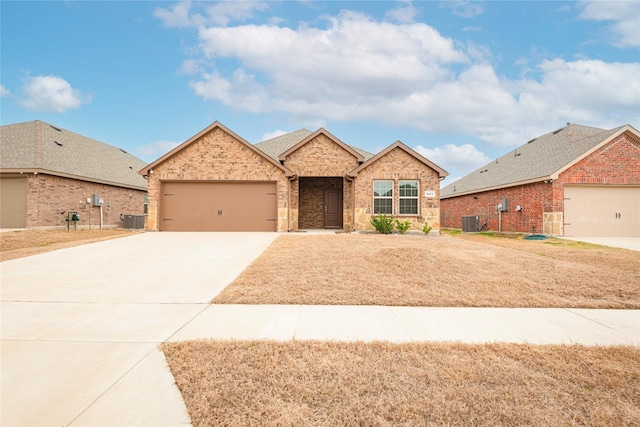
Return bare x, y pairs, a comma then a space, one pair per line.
81, 326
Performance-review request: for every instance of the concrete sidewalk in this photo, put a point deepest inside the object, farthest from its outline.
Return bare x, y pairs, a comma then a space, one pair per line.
410, 324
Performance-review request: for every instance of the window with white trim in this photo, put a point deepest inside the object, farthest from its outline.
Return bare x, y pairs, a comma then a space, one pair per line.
382, 197
408, 197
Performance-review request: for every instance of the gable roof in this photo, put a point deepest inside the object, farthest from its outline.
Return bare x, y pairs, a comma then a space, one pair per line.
544, 157
274, 147
216, 124
37, 146
399, 144
315, 134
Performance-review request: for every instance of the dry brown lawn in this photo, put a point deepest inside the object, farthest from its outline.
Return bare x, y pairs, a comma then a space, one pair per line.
21, 243
382, 384
455, 271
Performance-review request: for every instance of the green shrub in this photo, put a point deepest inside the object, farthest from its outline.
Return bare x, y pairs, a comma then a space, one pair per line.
426, 228
382, 223
403, 226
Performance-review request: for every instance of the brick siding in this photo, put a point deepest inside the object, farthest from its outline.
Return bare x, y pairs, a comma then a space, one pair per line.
321, 157
398, 165
48, 196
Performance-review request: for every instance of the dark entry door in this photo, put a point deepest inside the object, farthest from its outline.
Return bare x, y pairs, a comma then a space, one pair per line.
332, 208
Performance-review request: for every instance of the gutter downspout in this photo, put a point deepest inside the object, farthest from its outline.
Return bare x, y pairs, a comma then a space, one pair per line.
353, 206
289, 224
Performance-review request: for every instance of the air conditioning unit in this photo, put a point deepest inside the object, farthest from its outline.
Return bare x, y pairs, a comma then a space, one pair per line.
470, 224
134, 222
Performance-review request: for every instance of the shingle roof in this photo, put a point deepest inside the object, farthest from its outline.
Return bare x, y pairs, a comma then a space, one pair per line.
535, 160
39, 146
274, 147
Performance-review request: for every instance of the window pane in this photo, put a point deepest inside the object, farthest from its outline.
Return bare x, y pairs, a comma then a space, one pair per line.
383, 188
408, 188
408, 206
383, 206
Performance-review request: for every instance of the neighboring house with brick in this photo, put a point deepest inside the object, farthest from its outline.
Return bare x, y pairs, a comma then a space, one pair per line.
574, 181
217, 181
47, 172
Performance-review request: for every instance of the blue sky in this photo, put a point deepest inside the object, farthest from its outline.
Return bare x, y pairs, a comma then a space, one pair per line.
462, 82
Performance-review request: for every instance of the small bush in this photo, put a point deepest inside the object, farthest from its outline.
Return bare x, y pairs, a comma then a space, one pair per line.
382, 223
403, 226
426, 228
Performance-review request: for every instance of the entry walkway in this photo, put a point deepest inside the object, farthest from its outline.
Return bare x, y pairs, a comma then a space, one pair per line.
81, 326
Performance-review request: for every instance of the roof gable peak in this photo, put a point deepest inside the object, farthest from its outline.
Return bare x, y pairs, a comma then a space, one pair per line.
205, 131
402, 146
322, 131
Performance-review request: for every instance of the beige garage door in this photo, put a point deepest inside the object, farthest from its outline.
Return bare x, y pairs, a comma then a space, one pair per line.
218, 206
602, 211
13, 202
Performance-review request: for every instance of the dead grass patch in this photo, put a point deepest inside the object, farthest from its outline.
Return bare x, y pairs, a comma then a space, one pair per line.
460, 271
382, 384
21, 243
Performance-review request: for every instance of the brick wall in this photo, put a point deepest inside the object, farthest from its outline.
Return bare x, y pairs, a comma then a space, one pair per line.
535, 199
48, 196
616, 163
321, 157
398, 165
217, 156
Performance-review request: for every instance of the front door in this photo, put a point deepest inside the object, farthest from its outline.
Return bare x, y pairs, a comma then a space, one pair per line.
332, 208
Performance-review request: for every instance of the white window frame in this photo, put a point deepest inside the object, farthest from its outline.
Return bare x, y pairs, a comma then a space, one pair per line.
415, 197
383, 197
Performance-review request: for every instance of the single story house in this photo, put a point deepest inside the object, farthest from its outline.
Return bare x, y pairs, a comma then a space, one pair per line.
47, 173
574, 181
217, 181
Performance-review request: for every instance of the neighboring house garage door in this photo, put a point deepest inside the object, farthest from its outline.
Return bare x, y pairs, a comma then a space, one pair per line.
601, 211
219, 206
13, 202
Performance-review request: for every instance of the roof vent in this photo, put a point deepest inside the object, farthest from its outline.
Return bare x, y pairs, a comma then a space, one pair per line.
130, 167
59, 144
58, 129
531, 140
123, 151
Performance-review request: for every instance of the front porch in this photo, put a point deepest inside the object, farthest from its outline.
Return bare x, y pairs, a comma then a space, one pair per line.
323, 203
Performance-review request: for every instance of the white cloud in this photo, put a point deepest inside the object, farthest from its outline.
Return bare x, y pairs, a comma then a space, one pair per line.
155, 149
224, 12
274, 134
455, 158
191, 66
51, 93
465, 9
179, 15
4, 91
623, 15
583, 91
405, 12
183, 13
359, 69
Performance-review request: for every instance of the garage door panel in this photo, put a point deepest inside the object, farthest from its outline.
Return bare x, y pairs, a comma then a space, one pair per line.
13, 202
602, 211
207, 206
